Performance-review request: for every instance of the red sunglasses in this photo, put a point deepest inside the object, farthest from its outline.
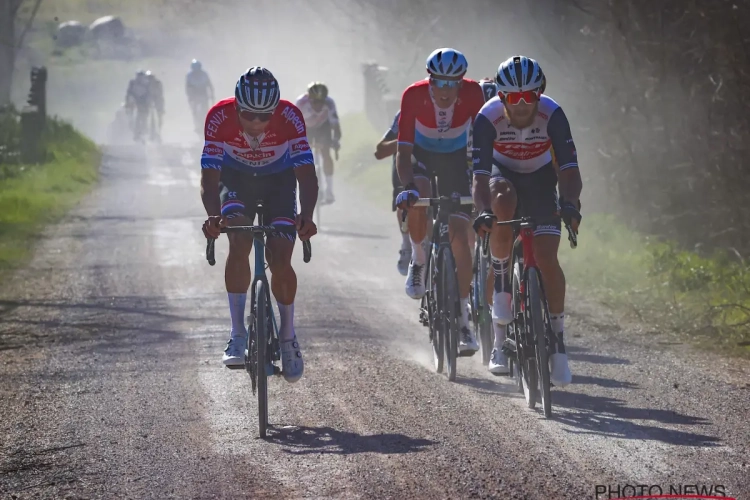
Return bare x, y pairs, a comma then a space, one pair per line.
250, 116
528, 96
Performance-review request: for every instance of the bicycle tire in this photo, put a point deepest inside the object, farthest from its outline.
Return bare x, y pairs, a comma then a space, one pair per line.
449, 310
482, 317
433, 318
537, 302
529, 376
261, 335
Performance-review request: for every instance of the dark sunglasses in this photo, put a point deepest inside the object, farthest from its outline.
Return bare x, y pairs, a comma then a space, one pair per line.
250, 116
441, 84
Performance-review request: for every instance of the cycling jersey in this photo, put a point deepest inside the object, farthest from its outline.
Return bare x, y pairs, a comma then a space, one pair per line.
282, 146
436, 130
522, 151
138, 92
197, 84
315, 119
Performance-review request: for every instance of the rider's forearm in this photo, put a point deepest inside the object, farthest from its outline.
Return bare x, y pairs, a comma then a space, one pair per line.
570, 184
403, 165
481, 193
384, 149
308, 189
336, 132
210, 196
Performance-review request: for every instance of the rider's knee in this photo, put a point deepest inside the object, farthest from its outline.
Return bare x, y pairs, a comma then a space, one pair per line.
279, 255
503, 197
240, 245
546, 256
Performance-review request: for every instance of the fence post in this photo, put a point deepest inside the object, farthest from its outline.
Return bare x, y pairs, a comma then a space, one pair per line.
33, 118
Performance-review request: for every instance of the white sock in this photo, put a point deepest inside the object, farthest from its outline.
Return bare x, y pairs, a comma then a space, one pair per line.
557, 322
286, 327
405, 241
499, 335
237, 311
418, 254
329, 183
465, 311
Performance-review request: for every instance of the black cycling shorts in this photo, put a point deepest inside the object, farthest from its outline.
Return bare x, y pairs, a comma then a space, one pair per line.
450, 171
240, 193
320, 137
536, 194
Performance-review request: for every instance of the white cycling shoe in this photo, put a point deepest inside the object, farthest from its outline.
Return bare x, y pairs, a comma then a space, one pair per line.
559, 371
415, 280
467, 343
502, 313
234, 354
498, 364
292, 364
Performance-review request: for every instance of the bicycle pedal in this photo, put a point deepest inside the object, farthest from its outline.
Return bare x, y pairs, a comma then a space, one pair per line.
235, 367
276, 370
466, 354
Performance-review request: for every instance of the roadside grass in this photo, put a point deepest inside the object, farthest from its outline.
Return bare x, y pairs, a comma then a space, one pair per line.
32, 196
667, 289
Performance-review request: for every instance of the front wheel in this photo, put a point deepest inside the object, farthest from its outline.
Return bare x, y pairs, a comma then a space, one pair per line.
540, 327
261, 335
449, 310
480, 309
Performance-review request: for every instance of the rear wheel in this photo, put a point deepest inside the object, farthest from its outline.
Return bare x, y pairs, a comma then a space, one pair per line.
540, 328
263, 361
449, 310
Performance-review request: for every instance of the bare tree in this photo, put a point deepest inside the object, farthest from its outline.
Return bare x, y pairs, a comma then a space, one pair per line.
9, 43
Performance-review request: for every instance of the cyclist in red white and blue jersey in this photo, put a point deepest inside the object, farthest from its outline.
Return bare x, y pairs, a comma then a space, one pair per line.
437, 114
516, 135
256, 149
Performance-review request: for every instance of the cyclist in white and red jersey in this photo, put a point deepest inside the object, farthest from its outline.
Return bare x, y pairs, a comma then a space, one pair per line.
323, 128
515, 135
256, 149
435, 126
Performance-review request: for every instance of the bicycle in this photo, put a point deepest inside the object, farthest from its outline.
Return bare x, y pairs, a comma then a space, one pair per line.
529, 336
263, 350
481, 316
440, 306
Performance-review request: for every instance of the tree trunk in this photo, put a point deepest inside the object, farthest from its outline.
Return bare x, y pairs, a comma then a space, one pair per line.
7, 48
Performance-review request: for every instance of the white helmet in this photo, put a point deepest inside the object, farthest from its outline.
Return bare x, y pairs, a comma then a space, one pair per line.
520, 73
447, 63
257, 90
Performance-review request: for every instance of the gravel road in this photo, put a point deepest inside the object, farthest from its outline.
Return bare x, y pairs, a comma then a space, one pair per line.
111, 382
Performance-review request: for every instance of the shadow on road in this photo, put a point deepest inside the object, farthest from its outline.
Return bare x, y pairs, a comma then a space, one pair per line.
612, 417
306, 440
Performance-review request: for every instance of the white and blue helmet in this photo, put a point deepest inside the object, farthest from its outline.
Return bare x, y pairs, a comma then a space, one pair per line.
520, 73
447, 63
257, 91
195, 65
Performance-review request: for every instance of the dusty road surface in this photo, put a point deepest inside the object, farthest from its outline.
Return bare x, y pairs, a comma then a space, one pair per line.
111, 383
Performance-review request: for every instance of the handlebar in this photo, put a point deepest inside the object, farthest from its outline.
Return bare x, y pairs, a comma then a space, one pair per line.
431, 202
533, 222
210, 242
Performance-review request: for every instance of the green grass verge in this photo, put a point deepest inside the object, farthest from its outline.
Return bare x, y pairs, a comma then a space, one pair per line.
705, 298
35, 195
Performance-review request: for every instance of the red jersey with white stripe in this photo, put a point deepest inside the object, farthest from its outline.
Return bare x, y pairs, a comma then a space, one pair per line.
283, 145
424, 125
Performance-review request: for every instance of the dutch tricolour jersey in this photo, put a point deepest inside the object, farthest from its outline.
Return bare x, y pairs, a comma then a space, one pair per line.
283, 145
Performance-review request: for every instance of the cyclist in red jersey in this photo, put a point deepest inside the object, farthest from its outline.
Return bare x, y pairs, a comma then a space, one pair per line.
437, 114
256, 148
